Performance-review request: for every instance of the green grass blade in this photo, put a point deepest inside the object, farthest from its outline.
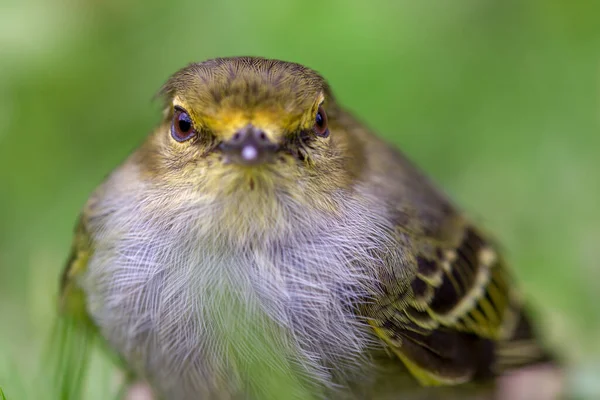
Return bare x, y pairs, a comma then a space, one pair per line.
68, 357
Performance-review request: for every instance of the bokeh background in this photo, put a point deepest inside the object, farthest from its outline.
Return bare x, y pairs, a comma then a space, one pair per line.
498, 100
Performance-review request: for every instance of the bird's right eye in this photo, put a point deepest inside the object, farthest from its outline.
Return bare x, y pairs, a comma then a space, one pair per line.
320, 127
182, 127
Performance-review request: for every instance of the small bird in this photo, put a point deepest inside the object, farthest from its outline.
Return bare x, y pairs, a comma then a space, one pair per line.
262, 243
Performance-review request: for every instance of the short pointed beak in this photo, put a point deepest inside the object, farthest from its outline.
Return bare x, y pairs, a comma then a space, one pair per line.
249, 146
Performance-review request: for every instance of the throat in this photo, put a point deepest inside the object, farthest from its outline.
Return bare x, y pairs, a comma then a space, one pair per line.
253, 214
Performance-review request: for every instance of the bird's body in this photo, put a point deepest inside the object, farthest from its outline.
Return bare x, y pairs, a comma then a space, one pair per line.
318, 272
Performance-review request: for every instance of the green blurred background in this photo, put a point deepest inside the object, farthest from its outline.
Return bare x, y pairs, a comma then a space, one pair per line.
498, 100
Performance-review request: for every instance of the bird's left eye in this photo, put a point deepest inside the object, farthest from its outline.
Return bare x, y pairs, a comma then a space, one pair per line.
182, 128
320, 128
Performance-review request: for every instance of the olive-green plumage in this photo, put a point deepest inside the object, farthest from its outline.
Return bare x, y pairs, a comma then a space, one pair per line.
262, 243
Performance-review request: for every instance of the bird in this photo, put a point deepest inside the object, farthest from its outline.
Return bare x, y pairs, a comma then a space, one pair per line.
264, 243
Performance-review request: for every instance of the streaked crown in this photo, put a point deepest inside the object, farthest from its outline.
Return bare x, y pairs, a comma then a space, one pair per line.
225, 94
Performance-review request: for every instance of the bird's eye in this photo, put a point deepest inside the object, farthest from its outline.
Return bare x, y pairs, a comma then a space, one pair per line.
321, 129
182, 128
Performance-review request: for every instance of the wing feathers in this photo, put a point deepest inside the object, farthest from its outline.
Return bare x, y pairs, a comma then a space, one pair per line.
461, 317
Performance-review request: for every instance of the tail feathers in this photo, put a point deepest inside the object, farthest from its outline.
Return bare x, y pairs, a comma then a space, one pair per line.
521, 349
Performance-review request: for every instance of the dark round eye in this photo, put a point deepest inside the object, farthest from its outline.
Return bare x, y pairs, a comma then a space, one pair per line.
320, 127
182, 128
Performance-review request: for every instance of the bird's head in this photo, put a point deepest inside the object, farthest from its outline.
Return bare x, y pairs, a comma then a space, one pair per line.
246, 124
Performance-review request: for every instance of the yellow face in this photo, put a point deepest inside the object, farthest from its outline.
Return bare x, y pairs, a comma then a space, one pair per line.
243, 124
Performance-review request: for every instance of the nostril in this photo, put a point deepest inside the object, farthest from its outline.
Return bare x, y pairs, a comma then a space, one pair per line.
262, 136
236, 136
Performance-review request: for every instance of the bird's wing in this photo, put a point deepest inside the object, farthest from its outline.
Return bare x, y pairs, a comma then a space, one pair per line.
72, 299
461, 316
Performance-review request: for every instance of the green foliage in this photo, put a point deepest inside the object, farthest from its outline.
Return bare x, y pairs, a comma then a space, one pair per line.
497, 100
69, 354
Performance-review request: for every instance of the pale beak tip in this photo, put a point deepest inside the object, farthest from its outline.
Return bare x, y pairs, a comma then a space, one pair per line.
249, 153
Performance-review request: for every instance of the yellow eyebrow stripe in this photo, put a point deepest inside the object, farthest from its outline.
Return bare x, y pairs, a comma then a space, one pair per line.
227, 121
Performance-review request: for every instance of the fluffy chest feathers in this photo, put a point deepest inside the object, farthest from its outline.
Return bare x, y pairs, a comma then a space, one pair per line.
200, 308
